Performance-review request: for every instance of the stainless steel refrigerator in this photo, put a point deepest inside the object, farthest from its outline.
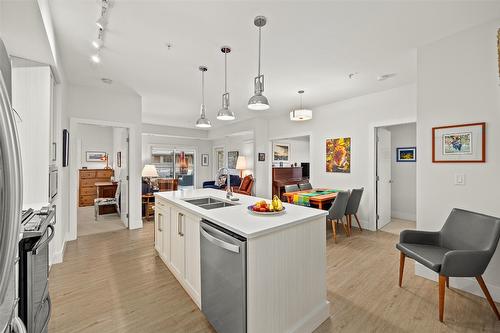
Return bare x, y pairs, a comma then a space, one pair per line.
10, 201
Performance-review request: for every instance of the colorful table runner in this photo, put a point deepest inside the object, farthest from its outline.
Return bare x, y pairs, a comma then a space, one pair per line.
303, 199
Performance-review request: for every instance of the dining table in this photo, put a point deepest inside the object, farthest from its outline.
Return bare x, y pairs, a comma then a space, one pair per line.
319, 197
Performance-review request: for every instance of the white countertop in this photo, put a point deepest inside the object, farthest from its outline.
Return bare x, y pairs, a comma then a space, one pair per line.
237, 218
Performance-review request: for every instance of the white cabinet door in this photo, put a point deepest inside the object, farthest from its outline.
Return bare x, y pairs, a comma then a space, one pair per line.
193, 268
159, 217
177, 229
166, 218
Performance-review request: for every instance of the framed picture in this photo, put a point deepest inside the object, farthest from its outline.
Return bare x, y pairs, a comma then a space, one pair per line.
95, 156
262, 157
338, 155
232, 158
119, 159
65, 146
204, 159
281, 152
406, 154
459, 143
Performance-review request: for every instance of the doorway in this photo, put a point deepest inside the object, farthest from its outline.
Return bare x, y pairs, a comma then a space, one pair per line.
103, 173
396, 178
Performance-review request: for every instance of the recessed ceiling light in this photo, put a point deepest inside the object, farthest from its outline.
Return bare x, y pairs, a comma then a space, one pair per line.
106, 80
386, 76
95, 58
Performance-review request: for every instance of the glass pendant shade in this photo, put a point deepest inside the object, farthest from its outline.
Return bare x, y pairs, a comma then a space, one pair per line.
301, 115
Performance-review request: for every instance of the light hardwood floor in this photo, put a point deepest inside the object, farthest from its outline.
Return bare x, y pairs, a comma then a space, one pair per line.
113, 282
87, 225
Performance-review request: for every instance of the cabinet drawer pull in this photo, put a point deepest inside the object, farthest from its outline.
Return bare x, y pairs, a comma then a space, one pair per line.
180, 232
160, 221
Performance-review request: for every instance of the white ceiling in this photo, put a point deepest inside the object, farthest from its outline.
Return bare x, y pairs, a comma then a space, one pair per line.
306, 45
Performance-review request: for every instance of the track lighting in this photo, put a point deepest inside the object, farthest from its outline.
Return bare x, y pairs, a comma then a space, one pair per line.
98, 43
96, 58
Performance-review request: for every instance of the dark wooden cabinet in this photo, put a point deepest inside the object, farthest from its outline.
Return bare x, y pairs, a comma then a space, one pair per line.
286, 176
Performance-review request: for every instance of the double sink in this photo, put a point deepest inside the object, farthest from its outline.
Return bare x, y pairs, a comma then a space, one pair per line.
209, 203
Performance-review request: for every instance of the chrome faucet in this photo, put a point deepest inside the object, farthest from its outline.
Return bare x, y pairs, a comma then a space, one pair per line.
229, 193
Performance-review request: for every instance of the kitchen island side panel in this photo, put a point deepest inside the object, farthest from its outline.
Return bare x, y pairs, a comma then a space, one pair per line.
286, 279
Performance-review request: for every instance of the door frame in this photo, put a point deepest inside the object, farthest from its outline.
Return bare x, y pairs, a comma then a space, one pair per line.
373, 162
134, 163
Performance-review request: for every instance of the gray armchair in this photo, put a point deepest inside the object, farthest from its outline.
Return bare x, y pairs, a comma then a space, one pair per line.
336, 212
463, 248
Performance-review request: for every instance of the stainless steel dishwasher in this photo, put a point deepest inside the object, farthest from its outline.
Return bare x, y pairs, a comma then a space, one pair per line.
223, 278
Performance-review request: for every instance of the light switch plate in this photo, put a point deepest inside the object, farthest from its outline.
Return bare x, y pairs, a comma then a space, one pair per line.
459, 179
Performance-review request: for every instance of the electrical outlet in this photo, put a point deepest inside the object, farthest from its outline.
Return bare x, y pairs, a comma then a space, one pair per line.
459, 179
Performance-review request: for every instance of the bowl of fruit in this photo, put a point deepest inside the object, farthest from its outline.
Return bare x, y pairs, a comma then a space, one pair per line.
275, 207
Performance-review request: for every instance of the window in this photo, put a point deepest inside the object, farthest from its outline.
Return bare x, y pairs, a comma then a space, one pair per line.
173, 163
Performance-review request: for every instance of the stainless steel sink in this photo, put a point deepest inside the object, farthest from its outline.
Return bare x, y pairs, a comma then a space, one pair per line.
209, 203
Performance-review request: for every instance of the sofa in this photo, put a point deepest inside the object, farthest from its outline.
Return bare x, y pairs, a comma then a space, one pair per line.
235, 181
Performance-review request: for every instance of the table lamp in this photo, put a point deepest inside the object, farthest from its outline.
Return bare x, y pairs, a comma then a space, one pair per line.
148, 172
241, 164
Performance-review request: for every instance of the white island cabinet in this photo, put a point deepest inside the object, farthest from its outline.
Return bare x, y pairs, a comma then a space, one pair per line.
285, 257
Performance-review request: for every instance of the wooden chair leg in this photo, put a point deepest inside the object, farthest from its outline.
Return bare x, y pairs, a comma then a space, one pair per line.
334, 230
487, 294
357, 220
402, 258
442, 282
346, 227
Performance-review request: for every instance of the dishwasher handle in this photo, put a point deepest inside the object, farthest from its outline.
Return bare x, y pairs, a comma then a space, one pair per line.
218, 242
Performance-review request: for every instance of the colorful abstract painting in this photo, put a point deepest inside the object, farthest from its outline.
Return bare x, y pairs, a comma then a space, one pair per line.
408, 154
338, 155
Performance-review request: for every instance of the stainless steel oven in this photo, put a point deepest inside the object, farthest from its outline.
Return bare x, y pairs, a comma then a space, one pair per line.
34, 299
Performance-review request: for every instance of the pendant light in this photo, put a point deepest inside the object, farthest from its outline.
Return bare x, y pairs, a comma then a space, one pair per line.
259, 101
301, 114
225, 113
203, 122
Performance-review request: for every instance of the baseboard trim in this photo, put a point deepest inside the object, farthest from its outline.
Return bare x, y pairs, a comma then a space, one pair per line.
469, 285
312, 321
403, 216
58, 257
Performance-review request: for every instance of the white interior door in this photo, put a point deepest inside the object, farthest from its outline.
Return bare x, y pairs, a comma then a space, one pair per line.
383, 177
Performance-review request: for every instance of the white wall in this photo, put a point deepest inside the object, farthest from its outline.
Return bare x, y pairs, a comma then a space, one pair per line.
120, 144
95, 138
403, 174
355, 118
458, 82
299, 149
108, 107
244, 144
202, 173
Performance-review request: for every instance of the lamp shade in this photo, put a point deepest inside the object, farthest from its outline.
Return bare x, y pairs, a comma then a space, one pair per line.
149, 171
241, 163
301, 115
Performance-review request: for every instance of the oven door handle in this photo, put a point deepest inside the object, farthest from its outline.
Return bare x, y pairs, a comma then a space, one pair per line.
42, 244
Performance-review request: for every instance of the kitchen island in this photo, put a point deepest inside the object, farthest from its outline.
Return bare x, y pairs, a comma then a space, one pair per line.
285, 262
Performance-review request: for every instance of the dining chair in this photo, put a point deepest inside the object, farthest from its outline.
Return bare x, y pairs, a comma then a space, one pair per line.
292, 188
98, 202
336, 213
462, 248
353, 206
305, 186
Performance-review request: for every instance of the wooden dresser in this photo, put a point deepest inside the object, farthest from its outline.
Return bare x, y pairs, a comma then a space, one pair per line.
88, 178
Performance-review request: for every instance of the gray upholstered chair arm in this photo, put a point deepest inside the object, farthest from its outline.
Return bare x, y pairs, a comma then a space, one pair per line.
419, 237
465, 263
